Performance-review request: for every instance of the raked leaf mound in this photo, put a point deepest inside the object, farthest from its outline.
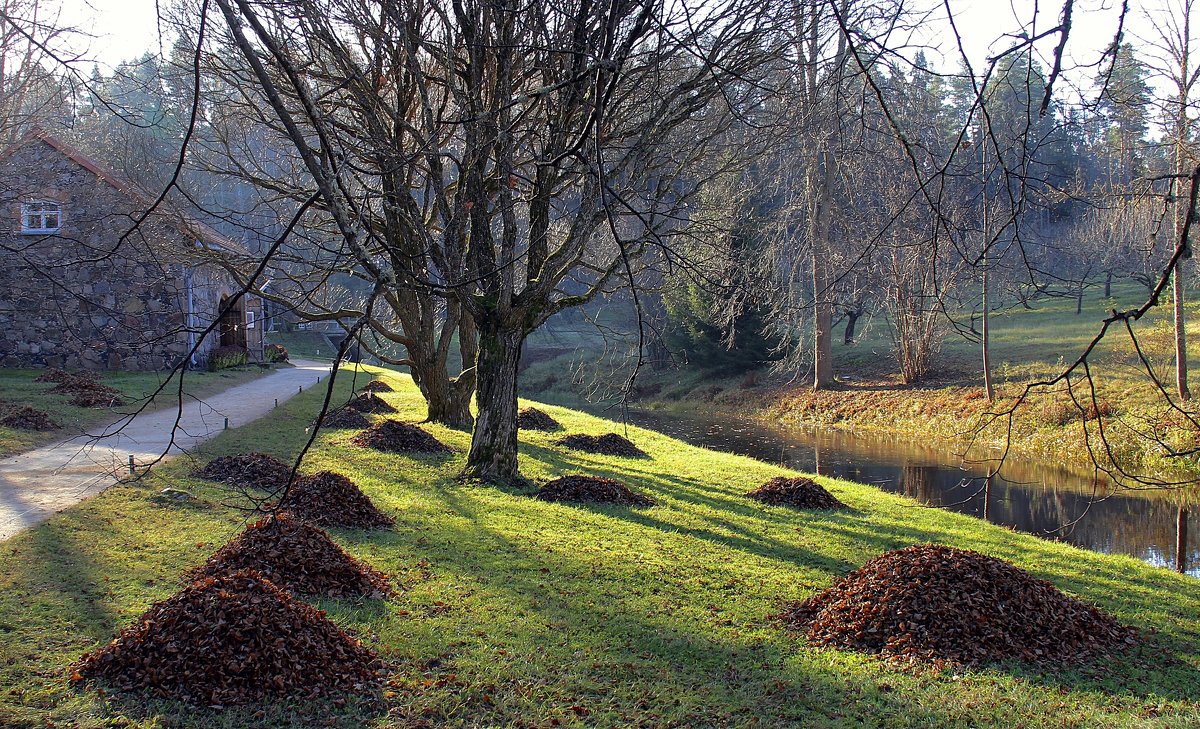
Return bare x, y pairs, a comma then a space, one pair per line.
609, 444
298, 557
591, 489
27, 418
393, 436
798, 492
377, 386
534, 419
248, 470
330, 499
345, 419
369, 402
936, 602
232, 639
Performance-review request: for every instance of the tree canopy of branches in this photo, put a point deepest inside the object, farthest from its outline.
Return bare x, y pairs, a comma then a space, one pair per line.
508, 159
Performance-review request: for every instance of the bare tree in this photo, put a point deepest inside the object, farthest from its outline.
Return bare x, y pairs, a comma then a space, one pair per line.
1170, 45
515, 159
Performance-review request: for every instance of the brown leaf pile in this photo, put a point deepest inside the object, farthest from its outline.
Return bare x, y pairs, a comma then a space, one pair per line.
345, 418
54, 374
394, 436
609, 444
799, 492
87, 393
935, 602
330, 499
534, 419
377, 386
97, 399
27, 418
591, 489
298, 557
369, 402
248, 470
234, 639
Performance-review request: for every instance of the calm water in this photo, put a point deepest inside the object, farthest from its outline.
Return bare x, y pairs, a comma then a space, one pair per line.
1037, 498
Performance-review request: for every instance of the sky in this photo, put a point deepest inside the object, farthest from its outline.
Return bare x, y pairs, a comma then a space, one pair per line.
124, 29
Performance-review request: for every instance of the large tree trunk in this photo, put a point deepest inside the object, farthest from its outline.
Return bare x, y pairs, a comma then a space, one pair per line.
493, 455
447, 403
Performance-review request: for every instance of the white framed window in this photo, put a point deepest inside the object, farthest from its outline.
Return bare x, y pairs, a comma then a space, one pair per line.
249, 319
41, 216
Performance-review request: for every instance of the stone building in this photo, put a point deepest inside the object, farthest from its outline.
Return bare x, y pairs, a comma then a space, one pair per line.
89, 280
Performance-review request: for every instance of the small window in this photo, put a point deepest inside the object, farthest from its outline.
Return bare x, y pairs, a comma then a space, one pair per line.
41, 216
249, 319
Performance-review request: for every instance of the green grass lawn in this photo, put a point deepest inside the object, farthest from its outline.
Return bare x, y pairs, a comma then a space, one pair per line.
520, 613
306, 345
17, 387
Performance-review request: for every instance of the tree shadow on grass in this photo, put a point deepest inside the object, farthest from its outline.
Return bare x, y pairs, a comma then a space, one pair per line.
608, 633
284, 713
1122, 675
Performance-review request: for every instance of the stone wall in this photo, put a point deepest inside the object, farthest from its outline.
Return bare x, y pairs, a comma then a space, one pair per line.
83, 297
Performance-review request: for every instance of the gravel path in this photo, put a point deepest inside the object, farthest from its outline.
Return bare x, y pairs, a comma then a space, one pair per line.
36, 484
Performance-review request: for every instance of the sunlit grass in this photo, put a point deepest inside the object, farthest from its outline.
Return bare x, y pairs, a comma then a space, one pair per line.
517, 612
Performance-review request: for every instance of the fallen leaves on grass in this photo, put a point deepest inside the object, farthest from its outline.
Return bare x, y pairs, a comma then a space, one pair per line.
935, 602
27, 418
369, 402
591, 489
54, 374
800, 492
345, 419
394, 436
534, 419
377, 386
248, 470
298, 557
87, 393
330, 499
233, 639
609, 444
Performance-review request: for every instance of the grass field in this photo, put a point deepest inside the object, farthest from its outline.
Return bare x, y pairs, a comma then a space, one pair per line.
17, 387
519, 613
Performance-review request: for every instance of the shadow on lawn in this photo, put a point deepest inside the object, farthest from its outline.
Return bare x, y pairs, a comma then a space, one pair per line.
1135, 673
601, 637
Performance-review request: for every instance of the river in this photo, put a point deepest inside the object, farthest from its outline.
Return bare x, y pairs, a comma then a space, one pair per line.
1043, 499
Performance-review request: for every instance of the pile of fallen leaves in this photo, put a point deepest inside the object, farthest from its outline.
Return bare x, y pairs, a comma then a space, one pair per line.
248, 470
54, 374
394, 436
609, 444
298, 557
234, 639
591, 489
800, 492
330, 499
369, 402
534, 419
935, 602
345, 418
377, 386
27, 418
86, 392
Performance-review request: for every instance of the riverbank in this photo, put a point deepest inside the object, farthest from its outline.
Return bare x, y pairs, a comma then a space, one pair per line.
1061, 424
517, 612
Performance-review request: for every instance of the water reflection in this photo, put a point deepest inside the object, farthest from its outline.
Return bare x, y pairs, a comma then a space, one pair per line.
1038, 498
